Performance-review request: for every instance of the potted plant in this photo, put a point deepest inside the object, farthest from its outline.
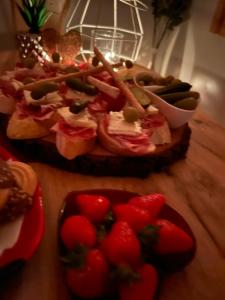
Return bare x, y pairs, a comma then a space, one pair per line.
35, 14
167, 14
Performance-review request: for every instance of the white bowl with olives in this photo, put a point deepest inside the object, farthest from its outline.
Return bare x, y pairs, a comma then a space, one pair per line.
175, 116
173, 97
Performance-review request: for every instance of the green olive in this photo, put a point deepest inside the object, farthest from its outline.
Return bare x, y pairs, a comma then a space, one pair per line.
128, 64
77, 84
130, 114
187, 103
78, 106
56, 57
37, 94
43, 89
28, 80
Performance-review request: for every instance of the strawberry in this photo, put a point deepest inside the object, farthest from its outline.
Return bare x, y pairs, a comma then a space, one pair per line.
144, 288
90, 280
153, 203
121, 246
94, 207
172, 239
78, 230
136, 217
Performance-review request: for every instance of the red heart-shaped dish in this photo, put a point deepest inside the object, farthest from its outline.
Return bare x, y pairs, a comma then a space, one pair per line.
30, 234
164, 263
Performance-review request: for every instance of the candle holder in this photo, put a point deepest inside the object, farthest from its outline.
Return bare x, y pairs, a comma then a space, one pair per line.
69, 46
109, 42
119, 33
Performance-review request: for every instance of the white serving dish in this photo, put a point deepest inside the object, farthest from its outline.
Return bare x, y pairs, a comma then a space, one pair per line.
175, 116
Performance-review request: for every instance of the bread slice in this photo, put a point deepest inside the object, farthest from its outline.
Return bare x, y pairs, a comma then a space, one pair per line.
71, 148
24, 128
14, 201
25, 176
116, 147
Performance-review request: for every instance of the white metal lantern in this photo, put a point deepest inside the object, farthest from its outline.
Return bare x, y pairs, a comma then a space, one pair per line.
114, 26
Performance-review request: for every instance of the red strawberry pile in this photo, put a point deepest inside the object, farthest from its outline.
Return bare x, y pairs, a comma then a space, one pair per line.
117, 249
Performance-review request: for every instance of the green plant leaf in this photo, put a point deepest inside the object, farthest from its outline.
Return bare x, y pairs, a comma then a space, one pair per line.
26, 4
25, 15
168, 14
43, 19
42, 13
42, 4
34, 13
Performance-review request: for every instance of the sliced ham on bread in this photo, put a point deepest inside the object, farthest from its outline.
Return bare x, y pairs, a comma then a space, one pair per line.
73, 141
157, 128
123, 144
24, 128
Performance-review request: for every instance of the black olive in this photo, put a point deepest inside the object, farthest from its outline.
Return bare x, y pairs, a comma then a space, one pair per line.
43, 89
128, 64
78, 106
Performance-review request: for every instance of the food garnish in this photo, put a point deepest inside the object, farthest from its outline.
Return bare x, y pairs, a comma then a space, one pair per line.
78, 106
61, 78
121, 85
128, 64
187, 103
43, 89
130, 114
56, 57
173, 88
77, 84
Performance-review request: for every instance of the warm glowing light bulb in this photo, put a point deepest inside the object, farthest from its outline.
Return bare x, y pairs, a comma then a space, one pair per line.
109, 55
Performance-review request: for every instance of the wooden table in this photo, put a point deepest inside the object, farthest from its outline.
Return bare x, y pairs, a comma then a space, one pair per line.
195, 187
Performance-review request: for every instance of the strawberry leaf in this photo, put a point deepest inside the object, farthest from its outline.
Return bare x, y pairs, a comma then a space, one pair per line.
149, 235
75, 258
124, 274
109, 220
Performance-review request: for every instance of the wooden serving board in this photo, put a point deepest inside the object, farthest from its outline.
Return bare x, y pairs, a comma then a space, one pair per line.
101, 162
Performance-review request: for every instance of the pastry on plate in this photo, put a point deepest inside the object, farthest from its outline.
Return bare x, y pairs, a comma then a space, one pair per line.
17, 186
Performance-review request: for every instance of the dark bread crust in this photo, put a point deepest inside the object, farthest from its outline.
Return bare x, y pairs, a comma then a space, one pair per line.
17, 204
6, 177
